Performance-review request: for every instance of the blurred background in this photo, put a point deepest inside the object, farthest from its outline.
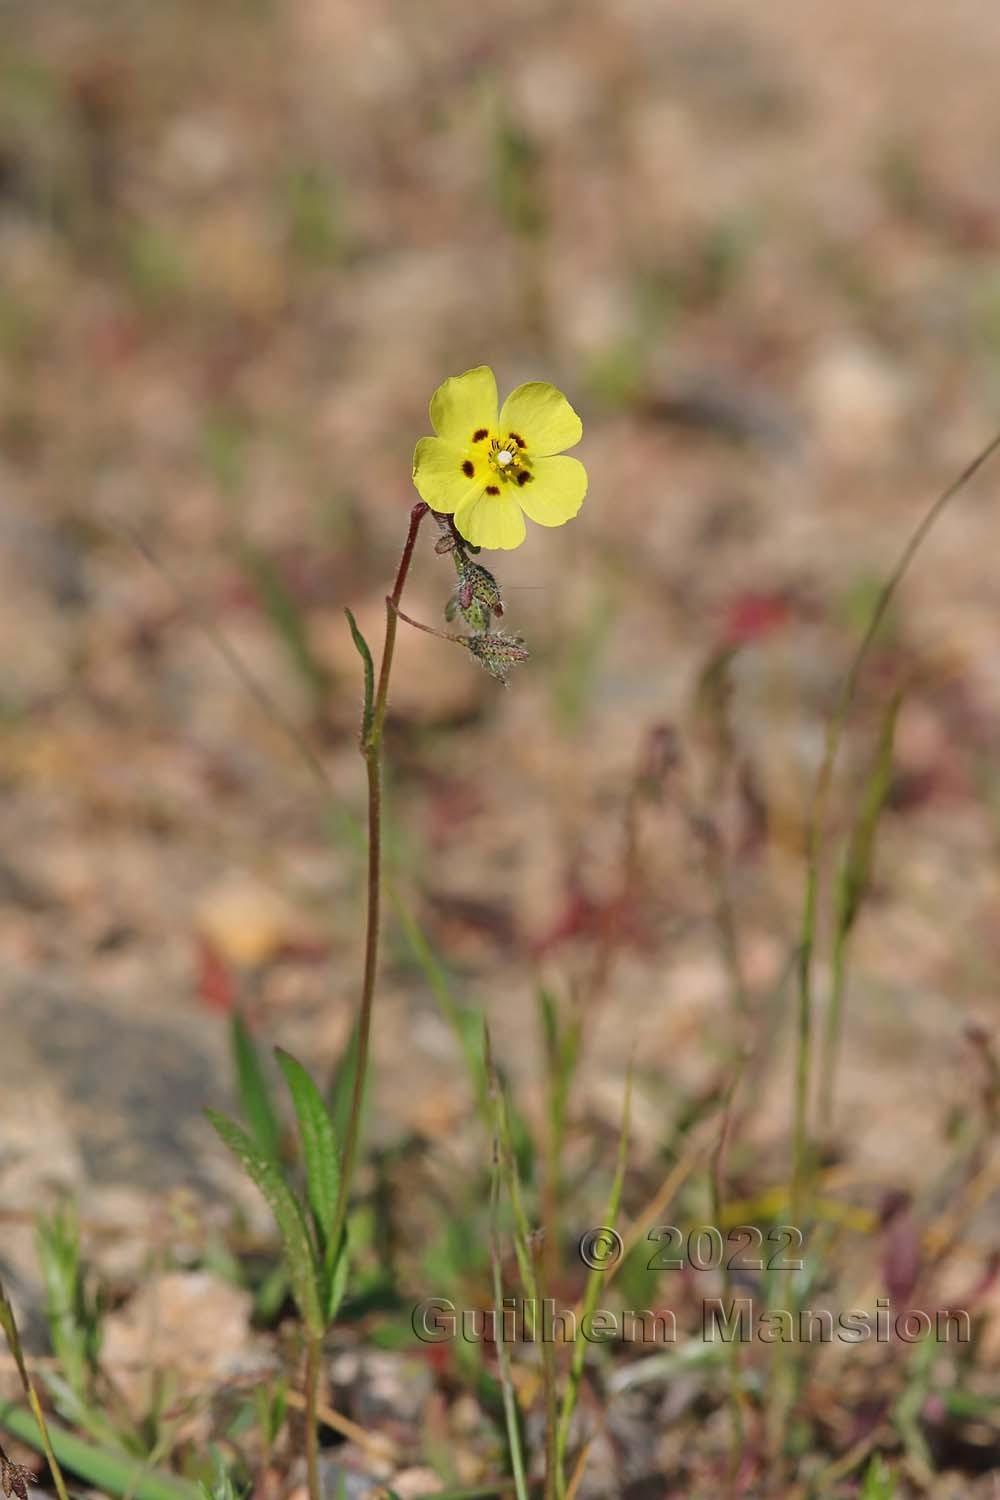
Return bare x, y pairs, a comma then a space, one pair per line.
240, 245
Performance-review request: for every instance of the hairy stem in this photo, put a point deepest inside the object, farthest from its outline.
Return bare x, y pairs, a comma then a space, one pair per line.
371, 750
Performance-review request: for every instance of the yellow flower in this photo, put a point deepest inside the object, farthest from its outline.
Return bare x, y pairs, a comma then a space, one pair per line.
490, 470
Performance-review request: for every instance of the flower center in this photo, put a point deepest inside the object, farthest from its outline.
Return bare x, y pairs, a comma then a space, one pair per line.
509, 463
506, 458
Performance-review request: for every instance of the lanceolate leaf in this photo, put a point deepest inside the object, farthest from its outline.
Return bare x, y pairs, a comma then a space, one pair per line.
336, 1282
302, 1269
255, 1095
319, 1148
369, 670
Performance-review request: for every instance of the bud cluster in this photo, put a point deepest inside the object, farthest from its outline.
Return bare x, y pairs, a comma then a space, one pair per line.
477, 598
477, 601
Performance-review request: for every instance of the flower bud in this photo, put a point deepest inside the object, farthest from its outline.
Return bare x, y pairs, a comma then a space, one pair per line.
497, 652
477, 598
477, 582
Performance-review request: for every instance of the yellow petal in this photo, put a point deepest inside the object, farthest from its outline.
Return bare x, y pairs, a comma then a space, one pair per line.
491, 521
464, 406
542, 416
555, 492
446, 476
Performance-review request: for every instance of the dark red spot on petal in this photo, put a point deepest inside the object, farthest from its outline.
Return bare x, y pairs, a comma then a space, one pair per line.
480, 433
492, 489
523, 476
518, 439
468, 467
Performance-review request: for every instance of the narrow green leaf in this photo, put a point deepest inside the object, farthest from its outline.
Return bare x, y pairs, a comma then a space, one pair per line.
879, 1483
336, 1283
110, 1473
40, 1432
319, 1148
511, 1413
855, 873
221, 1486
590, 1296
270, 1294
302, 1269
369, 667
288, 619
254, 1090
465, 1023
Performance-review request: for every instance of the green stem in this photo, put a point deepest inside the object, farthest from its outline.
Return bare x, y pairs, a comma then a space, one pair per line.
503, 1353
833, 1030
717, 1192
314, 1350
817, 823
371, 750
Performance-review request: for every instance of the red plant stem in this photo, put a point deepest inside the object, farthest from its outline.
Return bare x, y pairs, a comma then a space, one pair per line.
371, 750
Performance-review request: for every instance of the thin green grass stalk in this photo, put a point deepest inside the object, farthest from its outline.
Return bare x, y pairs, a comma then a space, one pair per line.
591, 1293
255, 690
817, 823
480, 1492
290, 626
852, 888
524, 1243
465, 1023
908, 1408
224, 443
841, 1467
549, 1382
112, 1473
73, 1317
522, 1226
879, 1482
717, 1194
561, 1046
10, 1332
503, 1354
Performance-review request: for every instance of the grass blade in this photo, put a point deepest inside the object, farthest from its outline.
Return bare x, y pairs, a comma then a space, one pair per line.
465, 1023
590, 1296
36, 1419
879, 1483
817, 818
503, 1353
852, 887
110, 1473
290, 625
